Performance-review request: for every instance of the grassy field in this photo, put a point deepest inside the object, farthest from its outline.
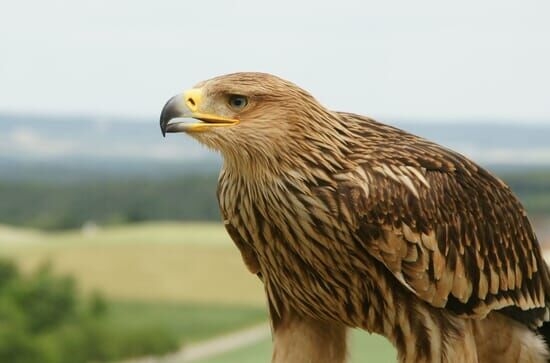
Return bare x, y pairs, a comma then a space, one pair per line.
186, 277
365, 348
190, 322
147, 262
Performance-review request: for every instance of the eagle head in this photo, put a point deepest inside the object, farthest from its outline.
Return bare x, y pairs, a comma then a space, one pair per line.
245, 115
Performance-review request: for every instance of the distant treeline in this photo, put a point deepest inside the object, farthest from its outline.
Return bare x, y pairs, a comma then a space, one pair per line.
51, 205
532, 188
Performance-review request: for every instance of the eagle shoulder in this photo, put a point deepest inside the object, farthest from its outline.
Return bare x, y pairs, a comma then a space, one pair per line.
449, 231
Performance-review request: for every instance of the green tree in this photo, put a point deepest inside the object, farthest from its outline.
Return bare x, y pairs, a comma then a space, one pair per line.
43, 320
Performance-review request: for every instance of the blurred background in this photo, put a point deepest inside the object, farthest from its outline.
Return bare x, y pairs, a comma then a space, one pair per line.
111, 245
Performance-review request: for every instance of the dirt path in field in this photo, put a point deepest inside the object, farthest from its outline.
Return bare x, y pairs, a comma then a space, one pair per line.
212, 347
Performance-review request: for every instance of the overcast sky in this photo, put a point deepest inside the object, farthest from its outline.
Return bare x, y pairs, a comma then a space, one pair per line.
420, 60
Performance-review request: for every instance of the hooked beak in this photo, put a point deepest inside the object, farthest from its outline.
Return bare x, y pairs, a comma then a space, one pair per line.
187, 105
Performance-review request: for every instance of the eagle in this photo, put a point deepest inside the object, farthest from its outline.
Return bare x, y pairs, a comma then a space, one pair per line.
351, 223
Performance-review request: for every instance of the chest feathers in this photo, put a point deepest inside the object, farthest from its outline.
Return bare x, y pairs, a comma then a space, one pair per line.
305, 255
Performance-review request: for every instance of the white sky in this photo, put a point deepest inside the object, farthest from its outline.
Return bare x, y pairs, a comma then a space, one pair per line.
431, 60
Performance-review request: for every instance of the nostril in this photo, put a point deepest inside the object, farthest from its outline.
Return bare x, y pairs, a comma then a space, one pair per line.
192, 99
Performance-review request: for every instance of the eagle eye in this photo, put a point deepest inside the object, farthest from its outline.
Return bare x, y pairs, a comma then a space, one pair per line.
237, 102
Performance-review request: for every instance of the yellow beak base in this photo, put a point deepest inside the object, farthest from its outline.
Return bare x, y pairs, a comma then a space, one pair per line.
187, 106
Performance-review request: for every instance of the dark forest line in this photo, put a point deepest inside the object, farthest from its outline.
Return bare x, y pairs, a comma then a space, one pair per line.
54, 205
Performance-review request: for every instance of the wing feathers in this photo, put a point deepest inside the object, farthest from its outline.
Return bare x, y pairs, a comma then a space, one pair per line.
446, 228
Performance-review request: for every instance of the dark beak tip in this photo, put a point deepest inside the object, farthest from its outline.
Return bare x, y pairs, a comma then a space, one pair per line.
169, 111
163, 129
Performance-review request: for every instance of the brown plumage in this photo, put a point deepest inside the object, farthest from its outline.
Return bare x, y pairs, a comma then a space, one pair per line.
352, 223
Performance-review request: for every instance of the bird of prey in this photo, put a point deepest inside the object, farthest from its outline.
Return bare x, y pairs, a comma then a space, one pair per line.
351, 223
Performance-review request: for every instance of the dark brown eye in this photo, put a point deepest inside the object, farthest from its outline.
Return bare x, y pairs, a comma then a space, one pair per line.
237, 102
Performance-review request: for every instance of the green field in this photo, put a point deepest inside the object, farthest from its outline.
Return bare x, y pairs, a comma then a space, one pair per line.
190, 322
147, 262
364, 349
187, 278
